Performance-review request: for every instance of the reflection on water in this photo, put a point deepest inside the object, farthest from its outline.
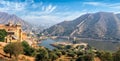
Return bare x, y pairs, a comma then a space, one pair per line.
46, 43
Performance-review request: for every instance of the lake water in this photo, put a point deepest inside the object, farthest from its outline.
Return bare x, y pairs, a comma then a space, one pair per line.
46, 43
102, 45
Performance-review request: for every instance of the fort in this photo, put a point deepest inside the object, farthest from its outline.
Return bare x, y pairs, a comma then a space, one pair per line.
14, 32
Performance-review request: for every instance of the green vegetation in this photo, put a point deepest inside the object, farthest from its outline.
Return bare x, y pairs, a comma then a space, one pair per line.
108, 56
88, 57
105, 56
67, 51
116, 56
43, 54
14, 49
53, 56
3, 34
28, 50
47, 55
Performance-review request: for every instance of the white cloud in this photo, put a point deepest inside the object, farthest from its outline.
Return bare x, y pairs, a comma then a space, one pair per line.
42, 20
108, 5
73, 16
94, 3
115, 6
26, 7
50, 8
11, 6
49, 19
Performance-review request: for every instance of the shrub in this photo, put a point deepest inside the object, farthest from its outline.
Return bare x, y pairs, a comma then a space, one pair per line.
116, 56
52, 56
14, 49
58, 54
105, 56
80, 58
28, 50
71, 54
63, 52
42, 55
3, 33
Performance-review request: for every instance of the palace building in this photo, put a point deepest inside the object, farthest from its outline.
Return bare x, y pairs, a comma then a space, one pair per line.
14, 32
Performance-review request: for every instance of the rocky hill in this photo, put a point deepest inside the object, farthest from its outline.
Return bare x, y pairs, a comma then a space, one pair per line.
5, 18
104, 25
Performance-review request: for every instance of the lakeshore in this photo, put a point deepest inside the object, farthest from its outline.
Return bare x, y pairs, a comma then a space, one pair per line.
100, 45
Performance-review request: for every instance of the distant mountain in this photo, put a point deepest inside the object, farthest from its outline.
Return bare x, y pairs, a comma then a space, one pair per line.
104, 25
5, 18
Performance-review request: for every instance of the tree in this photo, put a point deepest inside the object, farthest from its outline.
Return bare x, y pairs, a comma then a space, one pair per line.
28, 50
80, 58
79, 53
71, 54
68, 47
89, 57
13, 49
63, 52
105, 56
59, 54
116, 56
42, 55
52, 56
3, 34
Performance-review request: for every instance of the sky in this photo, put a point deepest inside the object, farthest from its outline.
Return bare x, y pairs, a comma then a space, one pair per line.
49, 12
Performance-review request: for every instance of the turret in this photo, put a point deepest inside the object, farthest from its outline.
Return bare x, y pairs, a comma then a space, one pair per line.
18, 25
10, 23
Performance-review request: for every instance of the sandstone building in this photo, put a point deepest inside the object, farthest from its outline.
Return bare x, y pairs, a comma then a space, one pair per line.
14, 32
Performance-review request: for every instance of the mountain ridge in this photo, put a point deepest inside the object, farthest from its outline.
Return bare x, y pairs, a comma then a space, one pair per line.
5, 18
104, 25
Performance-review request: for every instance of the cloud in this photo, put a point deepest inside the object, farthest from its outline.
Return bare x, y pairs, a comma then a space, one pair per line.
109, 7
100, 4
51, 19
11, 7
50, 8
43, 19
115, 6
73, 16
28, 5
93, 3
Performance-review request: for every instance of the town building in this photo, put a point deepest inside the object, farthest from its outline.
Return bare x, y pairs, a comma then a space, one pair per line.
14, 32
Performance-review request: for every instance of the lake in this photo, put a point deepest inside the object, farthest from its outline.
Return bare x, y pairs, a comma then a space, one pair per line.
101, 45
46, 43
